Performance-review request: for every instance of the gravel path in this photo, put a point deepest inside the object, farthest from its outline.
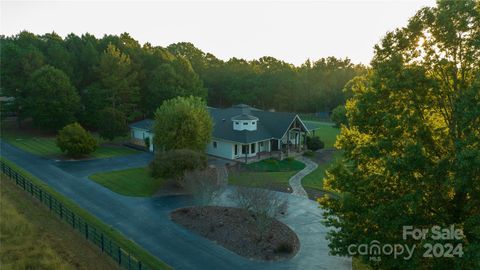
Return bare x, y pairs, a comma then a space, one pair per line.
296, 180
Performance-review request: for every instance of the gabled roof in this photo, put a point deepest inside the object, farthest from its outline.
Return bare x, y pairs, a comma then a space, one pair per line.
269, 125
145, 124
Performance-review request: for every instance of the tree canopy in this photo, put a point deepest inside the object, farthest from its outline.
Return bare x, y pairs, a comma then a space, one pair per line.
412, 146
119, 72
182, 123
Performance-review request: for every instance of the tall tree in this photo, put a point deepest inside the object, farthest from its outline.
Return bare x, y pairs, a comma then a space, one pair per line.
182, 123
50, 99
117, 80
412, 146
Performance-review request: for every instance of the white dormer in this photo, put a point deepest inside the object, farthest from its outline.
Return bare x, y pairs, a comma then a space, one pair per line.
245, 122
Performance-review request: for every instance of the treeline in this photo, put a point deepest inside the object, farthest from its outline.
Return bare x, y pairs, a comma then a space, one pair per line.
58, 80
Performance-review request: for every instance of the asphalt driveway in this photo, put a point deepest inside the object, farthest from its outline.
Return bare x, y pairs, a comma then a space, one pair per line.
146, 220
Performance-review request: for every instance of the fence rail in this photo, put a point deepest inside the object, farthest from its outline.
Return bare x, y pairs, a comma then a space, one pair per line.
120, 254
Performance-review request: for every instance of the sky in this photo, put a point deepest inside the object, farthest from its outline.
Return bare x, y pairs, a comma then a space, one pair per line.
287, 30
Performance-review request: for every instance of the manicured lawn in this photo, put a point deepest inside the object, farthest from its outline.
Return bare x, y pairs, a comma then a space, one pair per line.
327, 132
45, 145
315, 178
33, 238
131, 182
132, 247
274, 165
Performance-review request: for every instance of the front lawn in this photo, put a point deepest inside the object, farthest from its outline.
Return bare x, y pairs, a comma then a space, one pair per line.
135, 182
268, 173
315, 179
44, 144
327, 132
274, 165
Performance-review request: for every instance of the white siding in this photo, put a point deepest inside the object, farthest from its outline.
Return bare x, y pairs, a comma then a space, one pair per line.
224, 149
141, 134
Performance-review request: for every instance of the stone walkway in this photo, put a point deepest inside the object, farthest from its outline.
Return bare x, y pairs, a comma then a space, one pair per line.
296, 180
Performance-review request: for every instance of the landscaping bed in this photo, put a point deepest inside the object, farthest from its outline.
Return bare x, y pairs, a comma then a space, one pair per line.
236, 230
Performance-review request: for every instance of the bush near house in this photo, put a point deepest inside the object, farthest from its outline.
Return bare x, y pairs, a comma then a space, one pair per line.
174, 163
75, 141
314, 143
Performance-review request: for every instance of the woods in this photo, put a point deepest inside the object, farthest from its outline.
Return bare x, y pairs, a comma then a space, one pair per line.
118, 72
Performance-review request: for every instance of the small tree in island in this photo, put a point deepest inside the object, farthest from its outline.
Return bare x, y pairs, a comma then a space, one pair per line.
75, 141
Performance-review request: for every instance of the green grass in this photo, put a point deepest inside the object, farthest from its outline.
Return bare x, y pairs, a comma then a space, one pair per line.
130, 182
45, 145
33, 239
115, 235
315, 178
327, 132
274, 165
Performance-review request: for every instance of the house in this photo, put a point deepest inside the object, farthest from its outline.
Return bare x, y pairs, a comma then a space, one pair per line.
245, 133
141, 133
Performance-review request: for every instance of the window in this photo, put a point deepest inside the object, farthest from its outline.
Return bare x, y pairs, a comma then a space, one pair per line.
260, 144
245, 123
253, 123
214, 144
252, 148
237, 123
236, 149
244, 149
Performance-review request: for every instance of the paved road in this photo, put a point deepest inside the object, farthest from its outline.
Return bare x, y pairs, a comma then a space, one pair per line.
146, 220
296, 180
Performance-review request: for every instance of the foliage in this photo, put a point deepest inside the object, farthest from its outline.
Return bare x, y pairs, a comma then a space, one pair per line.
113, 123
76, 141
118, 72
50, 99
274, 165
182, 123
204, 185
339, 116
412, 146
314, 143
309, 153
174, 163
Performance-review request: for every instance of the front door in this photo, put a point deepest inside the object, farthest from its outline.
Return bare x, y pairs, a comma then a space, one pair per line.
274, 144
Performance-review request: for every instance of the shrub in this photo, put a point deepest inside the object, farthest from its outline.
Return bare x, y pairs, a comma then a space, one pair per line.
289, 159
309, 153
174, 163
75, 141
314, 143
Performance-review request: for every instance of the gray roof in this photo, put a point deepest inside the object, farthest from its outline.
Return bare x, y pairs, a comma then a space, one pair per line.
146, 124
270, 124
244, 117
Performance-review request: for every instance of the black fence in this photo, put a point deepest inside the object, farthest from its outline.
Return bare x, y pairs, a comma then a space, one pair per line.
124, 258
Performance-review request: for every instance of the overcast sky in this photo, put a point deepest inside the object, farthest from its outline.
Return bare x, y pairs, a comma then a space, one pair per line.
291, 31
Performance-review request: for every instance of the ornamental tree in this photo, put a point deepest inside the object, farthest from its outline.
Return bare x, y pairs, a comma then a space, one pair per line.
75, 141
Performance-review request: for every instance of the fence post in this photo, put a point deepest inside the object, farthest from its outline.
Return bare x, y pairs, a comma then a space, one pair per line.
61, 211
50, 201
73, 220
86, 230
119, 256
139, 265
41, 194
101, 239
129, 262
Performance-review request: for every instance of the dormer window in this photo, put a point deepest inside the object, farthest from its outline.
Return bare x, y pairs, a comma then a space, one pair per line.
245, 122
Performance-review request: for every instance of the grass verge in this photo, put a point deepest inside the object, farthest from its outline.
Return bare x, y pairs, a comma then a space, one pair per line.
327, 132
274, 165
315, 179
32, 239
116, 236
131, 182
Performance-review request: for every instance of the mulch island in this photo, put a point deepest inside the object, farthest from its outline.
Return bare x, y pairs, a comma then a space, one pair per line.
236, 230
